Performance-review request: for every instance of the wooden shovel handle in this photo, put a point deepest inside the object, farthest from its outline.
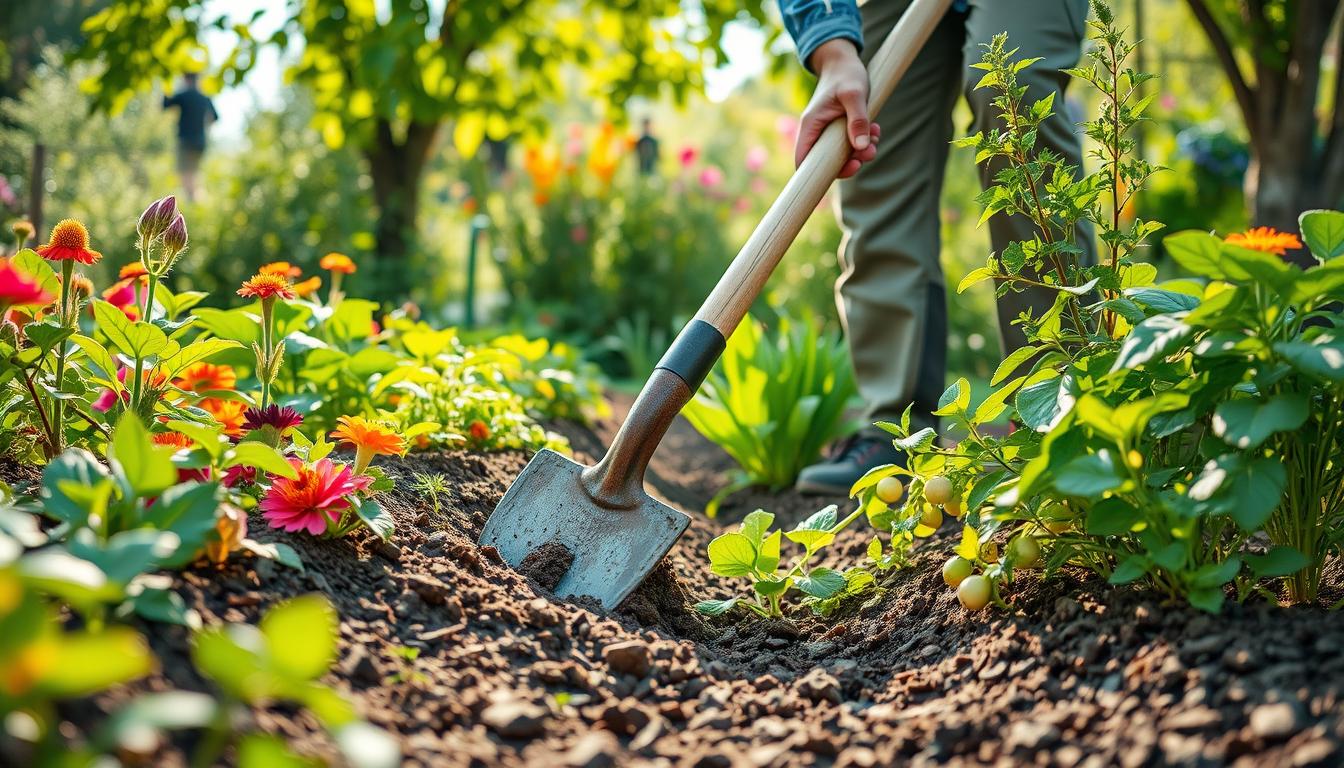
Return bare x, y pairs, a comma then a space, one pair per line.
617, 482
746, 276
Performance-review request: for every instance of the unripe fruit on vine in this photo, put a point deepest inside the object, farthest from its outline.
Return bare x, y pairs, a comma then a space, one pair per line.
931, 516
1024, 552
956, 570
1134, 459
974, 592
989, 552
953, 507
937, 490
890, 489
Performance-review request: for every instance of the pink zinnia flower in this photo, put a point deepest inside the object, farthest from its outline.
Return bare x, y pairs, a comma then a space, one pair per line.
711, 177
238, 475
20, 290
313, 501
687, 156
756, 157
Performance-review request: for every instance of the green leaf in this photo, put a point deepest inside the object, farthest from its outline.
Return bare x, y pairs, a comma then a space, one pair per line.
193, 353
259, 750
87, 662
261, 456
29, 263
1199, 253
1163, 301
98, 355
1248, 422
137, 340
300, 636
165, 606
1319, 358
155, 712
1151, 339
955, 399
124, 555
1089, 476
1247, 489
1323, 233
982, 488
1208, 599
1277, 562
969, 546
1112, 517
918, 442
1012, 362
874, 476
378, 520
755, 524
772, 587
233, 324
768, 555
732, 554
147, 468
74, 467
1043, 404
821, 583
1131, 569
281, 553
974, 277
715, 607
188, 510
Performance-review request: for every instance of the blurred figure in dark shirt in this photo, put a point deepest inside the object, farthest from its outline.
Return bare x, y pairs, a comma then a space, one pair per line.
646, 149
195, 112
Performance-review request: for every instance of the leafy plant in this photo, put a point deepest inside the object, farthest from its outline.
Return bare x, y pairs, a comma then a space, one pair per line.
753, 552
773, 401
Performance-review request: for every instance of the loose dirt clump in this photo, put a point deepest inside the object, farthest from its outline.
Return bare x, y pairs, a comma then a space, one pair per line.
547, 564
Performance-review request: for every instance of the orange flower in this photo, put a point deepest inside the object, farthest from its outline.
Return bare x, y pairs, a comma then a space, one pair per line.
337, 262
1267, 239
69, 241
132, 270
174, 439
229, 414
479, 430
204, 377
263, 286
308, 287
282, 268
369, 439
230, 531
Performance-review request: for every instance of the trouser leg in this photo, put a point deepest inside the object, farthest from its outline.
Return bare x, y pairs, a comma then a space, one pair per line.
890, 293
1053, 30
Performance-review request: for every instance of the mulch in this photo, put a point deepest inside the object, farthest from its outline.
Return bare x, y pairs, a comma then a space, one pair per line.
1079, 674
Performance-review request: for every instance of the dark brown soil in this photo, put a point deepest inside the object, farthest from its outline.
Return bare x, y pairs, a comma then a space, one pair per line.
547, 564
1079, 674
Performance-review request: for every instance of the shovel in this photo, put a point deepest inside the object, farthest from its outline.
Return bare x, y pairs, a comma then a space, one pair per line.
602, 515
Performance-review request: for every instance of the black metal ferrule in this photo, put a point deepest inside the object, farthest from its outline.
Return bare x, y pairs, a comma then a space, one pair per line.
694, 352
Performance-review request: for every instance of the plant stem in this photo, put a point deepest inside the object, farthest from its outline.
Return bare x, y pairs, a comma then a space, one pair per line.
67, 321
42, 414
149, 296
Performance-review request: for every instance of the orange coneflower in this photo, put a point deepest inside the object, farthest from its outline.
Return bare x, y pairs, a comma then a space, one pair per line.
282, 268
69, 241
204, 377
133, 270
1266, 239
369, 439
174, 439
264, 286
337, 262
308, 287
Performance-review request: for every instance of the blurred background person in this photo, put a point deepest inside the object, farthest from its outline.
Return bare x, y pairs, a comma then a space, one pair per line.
195, 113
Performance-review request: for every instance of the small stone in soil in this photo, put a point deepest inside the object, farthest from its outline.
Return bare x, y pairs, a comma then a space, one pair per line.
630, 657
514, 719
1274, 721
547, 564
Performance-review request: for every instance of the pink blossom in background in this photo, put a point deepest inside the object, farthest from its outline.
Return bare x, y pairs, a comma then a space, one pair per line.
758, 186
687, 156
741, 205
711, 177
7, 195
756, 157
1168, 101
579, 234
787, 126
574, 148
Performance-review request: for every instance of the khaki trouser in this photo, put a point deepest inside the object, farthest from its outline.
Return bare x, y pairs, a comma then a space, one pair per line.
891, 294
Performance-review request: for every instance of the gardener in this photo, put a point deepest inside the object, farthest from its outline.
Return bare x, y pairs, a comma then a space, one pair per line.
195, 112
890, 294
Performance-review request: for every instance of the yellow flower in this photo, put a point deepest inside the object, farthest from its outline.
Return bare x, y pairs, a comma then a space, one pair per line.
1267, 239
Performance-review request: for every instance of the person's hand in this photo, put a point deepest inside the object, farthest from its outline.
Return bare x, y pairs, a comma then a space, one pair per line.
842, 91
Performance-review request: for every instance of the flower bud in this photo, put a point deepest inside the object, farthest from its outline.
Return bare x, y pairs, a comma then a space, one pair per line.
157, 217
23, 230
175, 236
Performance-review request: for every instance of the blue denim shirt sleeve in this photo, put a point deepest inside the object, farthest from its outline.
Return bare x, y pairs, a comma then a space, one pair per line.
812, 22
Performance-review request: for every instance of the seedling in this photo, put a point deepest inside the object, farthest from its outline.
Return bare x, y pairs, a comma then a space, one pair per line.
753, 552
430, 485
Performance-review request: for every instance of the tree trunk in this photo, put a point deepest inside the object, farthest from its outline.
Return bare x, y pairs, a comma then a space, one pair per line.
397, 168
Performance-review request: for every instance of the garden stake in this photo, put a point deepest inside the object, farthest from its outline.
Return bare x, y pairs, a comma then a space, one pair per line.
614, 530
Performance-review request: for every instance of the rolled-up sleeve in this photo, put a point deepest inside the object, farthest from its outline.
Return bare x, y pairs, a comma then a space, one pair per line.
812, 22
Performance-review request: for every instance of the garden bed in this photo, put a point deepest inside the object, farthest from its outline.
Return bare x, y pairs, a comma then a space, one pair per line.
506, 674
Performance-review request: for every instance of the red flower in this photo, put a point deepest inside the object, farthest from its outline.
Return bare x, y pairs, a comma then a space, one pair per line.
315, 500
18, 289
69, 241
282, 418
264, 286
479, 430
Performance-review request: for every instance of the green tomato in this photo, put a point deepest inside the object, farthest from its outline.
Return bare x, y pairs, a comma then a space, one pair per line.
890, 489
956, 570
974, 592
1024, 551
937, 490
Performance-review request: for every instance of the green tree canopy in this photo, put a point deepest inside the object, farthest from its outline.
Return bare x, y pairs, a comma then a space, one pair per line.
391, 77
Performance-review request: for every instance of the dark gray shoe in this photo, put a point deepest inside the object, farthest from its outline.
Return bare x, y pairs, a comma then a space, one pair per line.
855, 456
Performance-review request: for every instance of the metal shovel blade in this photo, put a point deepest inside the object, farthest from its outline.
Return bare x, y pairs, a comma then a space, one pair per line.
613, 549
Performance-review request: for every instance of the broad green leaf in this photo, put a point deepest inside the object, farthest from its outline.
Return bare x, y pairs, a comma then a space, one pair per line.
233, 324
715, 607
1153, 338
1277, 562
76, 467
281, 553
1320, 283
260, 750
261, 456
165, 606
1248, 422
1012, 362
1112, 517
955, 399
1089, 476
1208, 599
1323, 233
1199, 253
301, 636
147, 468
133, 339
1043, 404
768, 556
969, 547
732, 554
755, 524
378, 520
29, 263
1131, 569
98, 355
874, 476
188, 510
918, 442
1320, 358
772, 587
975, 277
821, 583
1163, 301
87, 662
127, 554
1247, 489
193, 353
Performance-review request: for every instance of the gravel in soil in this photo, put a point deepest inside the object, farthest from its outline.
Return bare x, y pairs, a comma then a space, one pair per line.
507, 675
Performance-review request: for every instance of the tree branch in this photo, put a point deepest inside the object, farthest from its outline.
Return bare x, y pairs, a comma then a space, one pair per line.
1227, 57
1332, 159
